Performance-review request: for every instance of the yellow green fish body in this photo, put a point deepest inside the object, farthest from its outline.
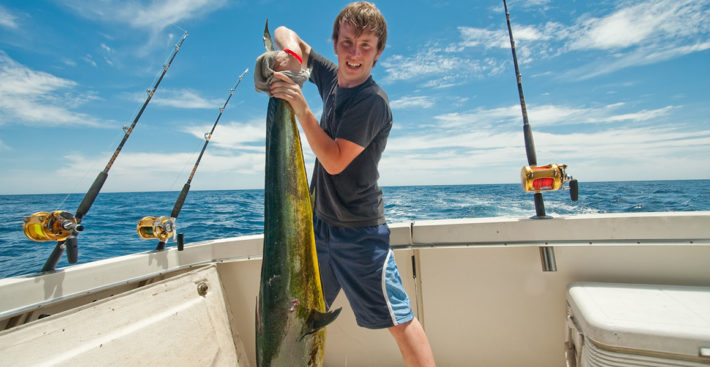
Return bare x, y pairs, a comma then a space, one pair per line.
291, 314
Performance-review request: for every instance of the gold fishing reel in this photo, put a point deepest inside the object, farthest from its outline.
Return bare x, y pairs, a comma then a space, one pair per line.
54, 226
548, 178
161, 228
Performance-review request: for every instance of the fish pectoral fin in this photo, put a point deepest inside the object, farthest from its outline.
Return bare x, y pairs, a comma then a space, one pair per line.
317, 320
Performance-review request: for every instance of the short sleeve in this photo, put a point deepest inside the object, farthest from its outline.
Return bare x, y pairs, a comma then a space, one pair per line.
364, 119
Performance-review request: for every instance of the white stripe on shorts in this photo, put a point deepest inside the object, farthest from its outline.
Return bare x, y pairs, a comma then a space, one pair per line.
384, 288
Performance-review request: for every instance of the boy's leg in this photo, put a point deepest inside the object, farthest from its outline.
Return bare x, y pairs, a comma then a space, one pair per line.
413, 343
328, 279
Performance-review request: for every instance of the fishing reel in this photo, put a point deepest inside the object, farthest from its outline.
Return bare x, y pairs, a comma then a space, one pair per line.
548, 178
54, 226
161, 228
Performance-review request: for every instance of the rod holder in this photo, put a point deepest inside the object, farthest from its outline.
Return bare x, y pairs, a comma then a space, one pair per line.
547, 256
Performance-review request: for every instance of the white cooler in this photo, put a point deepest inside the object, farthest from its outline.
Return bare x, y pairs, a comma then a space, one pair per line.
637, 325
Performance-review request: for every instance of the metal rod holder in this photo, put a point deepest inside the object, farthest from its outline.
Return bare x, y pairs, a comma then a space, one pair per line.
547, 256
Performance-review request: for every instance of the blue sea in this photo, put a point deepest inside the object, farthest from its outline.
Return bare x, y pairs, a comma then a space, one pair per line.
110, 224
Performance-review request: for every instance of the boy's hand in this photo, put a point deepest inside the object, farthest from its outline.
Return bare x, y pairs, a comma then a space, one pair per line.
285, 61
288, 90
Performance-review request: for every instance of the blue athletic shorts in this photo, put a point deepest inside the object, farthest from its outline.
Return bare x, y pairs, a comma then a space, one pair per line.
360, 261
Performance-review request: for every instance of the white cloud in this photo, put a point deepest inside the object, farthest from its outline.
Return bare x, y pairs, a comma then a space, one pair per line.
412, 102
486, 145
547, 115
634, 57
35, 97
529, 3
248, 136
7, 19
496, 157
636, 33
637, 144
443, 67
642, 115
479, 117
139, 170
529, 40
453, 64
89, 59
525, 37
640, 33
160, 14
154, 15
551, 115
183, 98
426, 62
425, 144
472, 37
643, 23
151, 16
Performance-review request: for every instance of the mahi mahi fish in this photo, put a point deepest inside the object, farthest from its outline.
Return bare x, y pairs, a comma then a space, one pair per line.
290, 313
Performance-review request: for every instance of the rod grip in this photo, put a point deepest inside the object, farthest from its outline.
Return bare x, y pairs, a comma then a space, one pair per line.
529, 145
91, 195
180, 200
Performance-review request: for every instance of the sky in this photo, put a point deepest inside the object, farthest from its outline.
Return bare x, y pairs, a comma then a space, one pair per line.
615, 89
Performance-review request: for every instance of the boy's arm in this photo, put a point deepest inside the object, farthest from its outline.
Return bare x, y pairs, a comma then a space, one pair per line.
334, 154
286, 39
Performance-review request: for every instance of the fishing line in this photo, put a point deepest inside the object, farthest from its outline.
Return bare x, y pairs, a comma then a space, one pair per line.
185, 166
186, 163
537, 179
116, 138
162, 228
91, 168
62, 226
180, 28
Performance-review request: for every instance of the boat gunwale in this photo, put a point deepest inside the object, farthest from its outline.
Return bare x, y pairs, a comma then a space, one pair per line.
134, 268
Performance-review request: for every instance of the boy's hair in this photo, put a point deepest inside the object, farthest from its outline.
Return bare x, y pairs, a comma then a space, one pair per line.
364, 17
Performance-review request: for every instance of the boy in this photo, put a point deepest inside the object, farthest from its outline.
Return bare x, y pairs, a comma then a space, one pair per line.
352, 237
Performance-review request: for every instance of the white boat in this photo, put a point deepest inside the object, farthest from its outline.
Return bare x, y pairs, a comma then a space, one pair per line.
476, 285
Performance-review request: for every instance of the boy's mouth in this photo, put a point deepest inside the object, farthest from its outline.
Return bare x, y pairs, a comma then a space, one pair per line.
352, 65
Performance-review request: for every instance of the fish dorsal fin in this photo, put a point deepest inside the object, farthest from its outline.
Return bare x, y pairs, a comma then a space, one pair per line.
268, 43
317, 320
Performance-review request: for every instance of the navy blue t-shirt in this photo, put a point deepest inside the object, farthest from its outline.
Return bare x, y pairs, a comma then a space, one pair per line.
361, 115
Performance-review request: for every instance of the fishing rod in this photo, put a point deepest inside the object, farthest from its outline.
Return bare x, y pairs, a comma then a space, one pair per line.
538, 178
163, 227
62, 226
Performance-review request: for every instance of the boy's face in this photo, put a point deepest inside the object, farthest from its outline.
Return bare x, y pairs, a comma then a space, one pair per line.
356, 55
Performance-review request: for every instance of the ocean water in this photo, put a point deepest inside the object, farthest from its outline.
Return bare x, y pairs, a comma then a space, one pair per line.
110, 224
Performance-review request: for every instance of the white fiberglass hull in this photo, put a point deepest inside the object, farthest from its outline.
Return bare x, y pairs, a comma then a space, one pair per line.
479, 290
